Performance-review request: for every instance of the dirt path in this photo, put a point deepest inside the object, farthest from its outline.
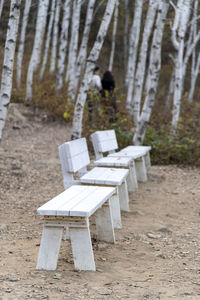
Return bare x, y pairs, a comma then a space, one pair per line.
157, 252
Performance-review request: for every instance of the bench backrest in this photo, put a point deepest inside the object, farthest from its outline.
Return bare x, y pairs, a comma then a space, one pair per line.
104, 141
74, 157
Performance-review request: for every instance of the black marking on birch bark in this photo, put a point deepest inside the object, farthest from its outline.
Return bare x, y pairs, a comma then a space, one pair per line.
6, 68
4, 95
11, 41
91, 61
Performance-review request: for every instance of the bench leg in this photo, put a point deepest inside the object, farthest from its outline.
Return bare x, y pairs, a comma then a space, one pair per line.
147, 162
141, 169
82, 248
123, 197
132, 178
115, 209
104, 224
49, 248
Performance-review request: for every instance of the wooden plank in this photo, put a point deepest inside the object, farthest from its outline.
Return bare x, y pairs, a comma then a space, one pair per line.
74, 155
107, 176
127, 154
106, 140
145, 148
94, 201
75, 147
69, 201
49, 248
65, 201
114, 161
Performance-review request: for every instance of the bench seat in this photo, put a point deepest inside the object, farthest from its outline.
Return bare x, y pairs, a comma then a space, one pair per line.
139, 159
105, 176
105, 141
121, 162
74, 158
135, 149
72, 208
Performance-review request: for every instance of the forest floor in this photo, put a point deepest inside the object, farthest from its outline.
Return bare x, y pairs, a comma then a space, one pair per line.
157, 252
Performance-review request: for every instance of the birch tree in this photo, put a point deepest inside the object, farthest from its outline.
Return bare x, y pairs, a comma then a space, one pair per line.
82, 55
55, 37
91, 61
72, 55
194, 75
141, 66
1, 6
48, 38
8, 63
63, 43
114, 36
168, 101
22, 40
35, 57
195, 56
133, 49
182, 13
153, 73
125, 36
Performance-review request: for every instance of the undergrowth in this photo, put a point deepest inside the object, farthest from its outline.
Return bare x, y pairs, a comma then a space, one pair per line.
167, 148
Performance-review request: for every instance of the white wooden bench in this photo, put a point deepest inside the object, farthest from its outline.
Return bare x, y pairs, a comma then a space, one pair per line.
72, 208
105, 142
74, 159
121, 162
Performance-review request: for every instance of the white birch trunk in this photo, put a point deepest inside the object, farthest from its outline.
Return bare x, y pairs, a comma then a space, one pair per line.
48, 38
1, 6
22, 40
55, 37
74, 50
133, 48
81, 60
189, 51
91, 61
170, 93
125, 36
73, 42
63, 43
35, 57
182, 13
141, 66
114, 36
8, 63
194, 75
195, 58
153, 73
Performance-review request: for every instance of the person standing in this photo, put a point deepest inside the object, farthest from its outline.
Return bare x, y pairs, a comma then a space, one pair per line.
94, 92
108, 85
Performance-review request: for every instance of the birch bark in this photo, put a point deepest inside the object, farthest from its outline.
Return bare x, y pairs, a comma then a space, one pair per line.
194, 75
48, 38
168, 102
8, 63
195, 58
63, 43
91, 61
1, 6
125, 37
178, 36
55, 37
133, 48
114, 36
35, 57
22, 40
153, 73
73, 44
81, 60
141, 66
